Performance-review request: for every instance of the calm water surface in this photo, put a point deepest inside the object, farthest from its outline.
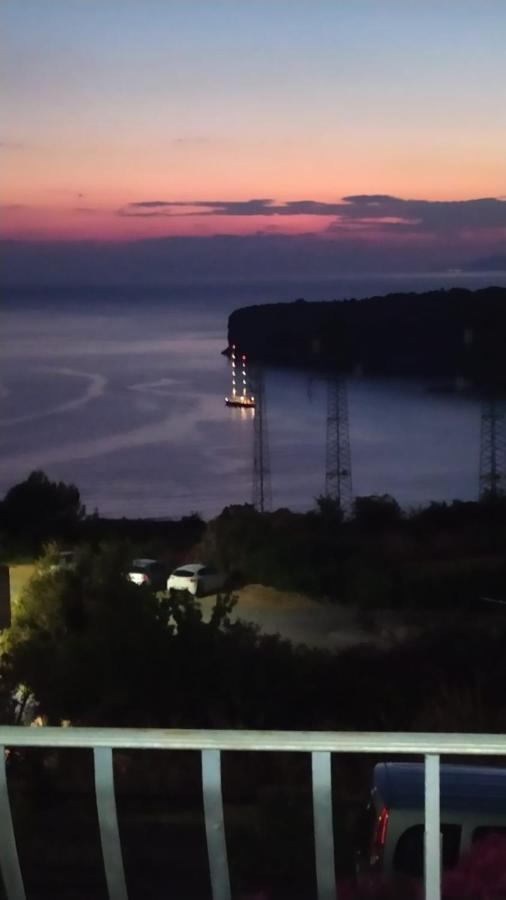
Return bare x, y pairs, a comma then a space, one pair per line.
123, 395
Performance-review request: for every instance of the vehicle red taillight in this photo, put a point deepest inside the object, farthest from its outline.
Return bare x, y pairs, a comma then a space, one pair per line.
379, 837
381, 828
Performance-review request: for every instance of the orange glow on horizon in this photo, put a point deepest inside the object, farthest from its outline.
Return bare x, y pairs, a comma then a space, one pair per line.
52, 180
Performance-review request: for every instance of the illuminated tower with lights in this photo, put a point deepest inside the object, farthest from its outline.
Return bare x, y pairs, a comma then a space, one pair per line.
261, 467
493, 447
338, 456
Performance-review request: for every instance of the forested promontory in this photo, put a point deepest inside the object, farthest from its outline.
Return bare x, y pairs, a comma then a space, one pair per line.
453, 332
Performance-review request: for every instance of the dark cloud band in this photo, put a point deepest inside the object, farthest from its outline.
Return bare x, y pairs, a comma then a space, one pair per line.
382, 209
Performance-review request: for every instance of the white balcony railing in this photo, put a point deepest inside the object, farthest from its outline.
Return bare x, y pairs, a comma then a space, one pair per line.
211, 744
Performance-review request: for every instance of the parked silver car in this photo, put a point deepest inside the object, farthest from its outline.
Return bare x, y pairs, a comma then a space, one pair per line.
196, 578
473, 806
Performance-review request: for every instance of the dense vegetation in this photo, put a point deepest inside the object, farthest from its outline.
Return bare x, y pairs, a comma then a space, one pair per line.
38, 510
445, 556
89, 647
447, 332
93, 647
440, 556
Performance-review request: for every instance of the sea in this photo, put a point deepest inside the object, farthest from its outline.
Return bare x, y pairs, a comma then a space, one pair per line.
121, 392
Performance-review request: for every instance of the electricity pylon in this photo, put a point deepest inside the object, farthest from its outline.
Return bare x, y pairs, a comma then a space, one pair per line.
338, 485
261, 464
493, 447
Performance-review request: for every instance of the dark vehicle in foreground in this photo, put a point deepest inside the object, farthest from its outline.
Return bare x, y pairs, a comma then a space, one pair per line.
391, 840
64, 559
149, 572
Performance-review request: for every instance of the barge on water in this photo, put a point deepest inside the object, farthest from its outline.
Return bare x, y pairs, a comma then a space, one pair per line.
240, 398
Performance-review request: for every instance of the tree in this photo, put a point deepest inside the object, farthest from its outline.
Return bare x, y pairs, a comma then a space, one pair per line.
38, 509
233, 537
329, 509
86, 641
376, 512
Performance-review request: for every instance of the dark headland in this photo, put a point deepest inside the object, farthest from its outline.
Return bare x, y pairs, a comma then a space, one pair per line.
453, 332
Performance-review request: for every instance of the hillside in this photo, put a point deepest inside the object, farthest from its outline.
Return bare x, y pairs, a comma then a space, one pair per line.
454, 332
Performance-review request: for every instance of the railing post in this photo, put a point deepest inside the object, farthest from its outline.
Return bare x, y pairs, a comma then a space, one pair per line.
9, 861
323, 825
432, 836
108, 824
215, 825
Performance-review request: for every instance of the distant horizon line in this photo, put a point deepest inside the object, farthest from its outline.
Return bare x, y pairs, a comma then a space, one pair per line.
231, 283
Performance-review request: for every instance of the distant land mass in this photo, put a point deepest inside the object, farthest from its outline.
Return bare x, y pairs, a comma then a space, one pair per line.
453, 332
486, 264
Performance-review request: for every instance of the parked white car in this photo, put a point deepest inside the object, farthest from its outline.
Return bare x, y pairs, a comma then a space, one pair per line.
197, 579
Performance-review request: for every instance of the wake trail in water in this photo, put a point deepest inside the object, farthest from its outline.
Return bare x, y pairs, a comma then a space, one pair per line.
95, 389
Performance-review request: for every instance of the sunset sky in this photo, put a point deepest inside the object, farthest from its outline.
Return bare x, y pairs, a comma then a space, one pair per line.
353, 121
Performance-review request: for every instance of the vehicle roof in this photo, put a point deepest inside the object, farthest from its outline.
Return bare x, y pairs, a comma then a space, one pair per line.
139, 563
189, 567
472, 788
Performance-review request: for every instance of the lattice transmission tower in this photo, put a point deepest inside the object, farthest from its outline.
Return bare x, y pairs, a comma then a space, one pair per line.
261, 464
338, 485
493, 447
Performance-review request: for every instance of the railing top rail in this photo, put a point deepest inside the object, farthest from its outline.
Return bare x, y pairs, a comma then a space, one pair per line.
291, 741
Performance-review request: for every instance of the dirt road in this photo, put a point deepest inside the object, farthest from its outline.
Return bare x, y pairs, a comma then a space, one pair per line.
304, 620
